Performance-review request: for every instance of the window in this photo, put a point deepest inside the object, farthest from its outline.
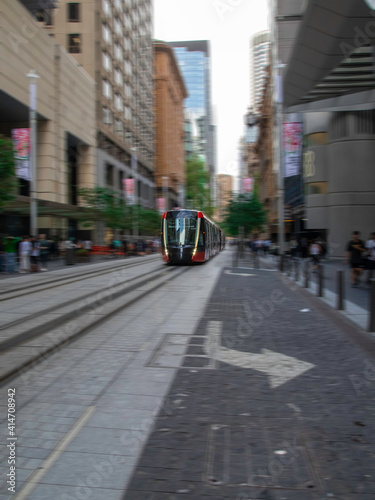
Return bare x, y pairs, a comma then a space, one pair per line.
118, 52
118, 77
107, 61
107, 116
109, 174
119, 128
107, 89
106, 34
317, 188
118, 102
127, 113
74, 43
106, 6
73, 13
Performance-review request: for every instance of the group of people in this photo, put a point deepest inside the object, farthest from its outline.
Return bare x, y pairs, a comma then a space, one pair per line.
138, 247
24, 254
360, 256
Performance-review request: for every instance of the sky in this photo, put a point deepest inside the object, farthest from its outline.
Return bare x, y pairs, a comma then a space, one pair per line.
229, 25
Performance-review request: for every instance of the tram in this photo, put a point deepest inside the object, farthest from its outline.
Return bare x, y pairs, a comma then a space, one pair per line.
189, 236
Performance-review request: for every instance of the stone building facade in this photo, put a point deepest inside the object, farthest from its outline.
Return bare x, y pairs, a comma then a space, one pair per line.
170, 92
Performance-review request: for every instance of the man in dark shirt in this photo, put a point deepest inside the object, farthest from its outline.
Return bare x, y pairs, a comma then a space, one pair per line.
354, 255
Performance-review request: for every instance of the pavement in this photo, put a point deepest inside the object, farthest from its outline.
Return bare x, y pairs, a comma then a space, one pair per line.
231, 383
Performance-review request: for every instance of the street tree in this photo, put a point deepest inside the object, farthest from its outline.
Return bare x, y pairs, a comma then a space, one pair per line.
244, 211
8, 179
198, 194
105, 205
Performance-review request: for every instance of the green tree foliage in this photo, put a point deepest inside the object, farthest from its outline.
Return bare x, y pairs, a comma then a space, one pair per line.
244, 211
105, 205
8, 179
198, 195
148, 222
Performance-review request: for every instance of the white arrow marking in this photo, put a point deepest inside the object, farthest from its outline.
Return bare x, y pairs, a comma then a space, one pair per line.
279, 367
238, 274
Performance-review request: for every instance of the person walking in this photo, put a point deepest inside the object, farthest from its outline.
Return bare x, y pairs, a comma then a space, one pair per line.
354, 256
24, 250
10, 253
370, 246
34, 254
314, 252
44, 251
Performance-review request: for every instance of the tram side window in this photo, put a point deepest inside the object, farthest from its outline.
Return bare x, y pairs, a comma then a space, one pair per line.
201, 234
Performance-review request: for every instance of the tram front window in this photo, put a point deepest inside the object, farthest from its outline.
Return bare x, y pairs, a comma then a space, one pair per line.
181, 231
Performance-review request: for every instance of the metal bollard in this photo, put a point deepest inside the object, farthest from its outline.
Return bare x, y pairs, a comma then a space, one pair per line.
340, 290
306, 274
371, 327
297, 269
320, 280
281, 263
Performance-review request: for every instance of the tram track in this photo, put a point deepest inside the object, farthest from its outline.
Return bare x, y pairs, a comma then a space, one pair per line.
36, 336
64, 280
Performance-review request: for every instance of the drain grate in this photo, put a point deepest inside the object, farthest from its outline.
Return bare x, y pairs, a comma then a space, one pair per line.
242, 456
181, 351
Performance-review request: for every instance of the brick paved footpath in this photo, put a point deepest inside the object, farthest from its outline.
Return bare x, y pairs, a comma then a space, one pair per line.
263, 426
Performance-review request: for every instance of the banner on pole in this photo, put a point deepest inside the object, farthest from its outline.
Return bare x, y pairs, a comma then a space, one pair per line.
292, 138
22, 148
128, 185
160, 205
247, 185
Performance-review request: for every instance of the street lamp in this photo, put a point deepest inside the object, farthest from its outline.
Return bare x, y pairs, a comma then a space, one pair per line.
32, 76
134, 165
280, 176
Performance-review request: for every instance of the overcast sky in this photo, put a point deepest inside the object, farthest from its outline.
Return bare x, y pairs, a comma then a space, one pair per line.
229, 25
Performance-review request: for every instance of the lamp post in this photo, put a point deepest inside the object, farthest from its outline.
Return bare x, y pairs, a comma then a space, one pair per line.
32, 76
134, 165
280, 176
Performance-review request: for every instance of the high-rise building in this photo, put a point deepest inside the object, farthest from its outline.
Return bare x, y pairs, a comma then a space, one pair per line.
112, 40
260, 47
194, 61
64, 124
170, 93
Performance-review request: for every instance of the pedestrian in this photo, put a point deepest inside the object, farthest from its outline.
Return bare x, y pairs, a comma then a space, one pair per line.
370, 261
34, 254
354, 256
10, 252
314, 251
44, 251
87, 245
24, 251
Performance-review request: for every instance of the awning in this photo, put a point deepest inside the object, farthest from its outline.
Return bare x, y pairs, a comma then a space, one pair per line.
332, 55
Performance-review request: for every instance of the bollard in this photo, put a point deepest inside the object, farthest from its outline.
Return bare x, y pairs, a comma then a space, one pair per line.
306, 274
320, 280
281, 263
297, 263
340, 290
371, 327
235, 258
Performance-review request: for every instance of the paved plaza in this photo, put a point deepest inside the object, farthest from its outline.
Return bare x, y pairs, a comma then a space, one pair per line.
228, 383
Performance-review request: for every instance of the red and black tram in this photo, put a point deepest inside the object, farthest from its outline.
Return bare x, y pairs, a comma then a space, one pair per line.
189, 236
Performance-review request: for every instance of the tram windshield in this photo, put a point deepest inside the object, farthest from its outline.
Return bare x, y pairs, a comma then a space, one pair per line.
181, 231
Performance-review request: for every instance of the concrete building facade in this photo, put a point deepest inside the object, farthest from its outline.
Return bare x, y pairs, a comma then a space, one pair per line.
330, 78
112, 40
170, 92
65, 122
